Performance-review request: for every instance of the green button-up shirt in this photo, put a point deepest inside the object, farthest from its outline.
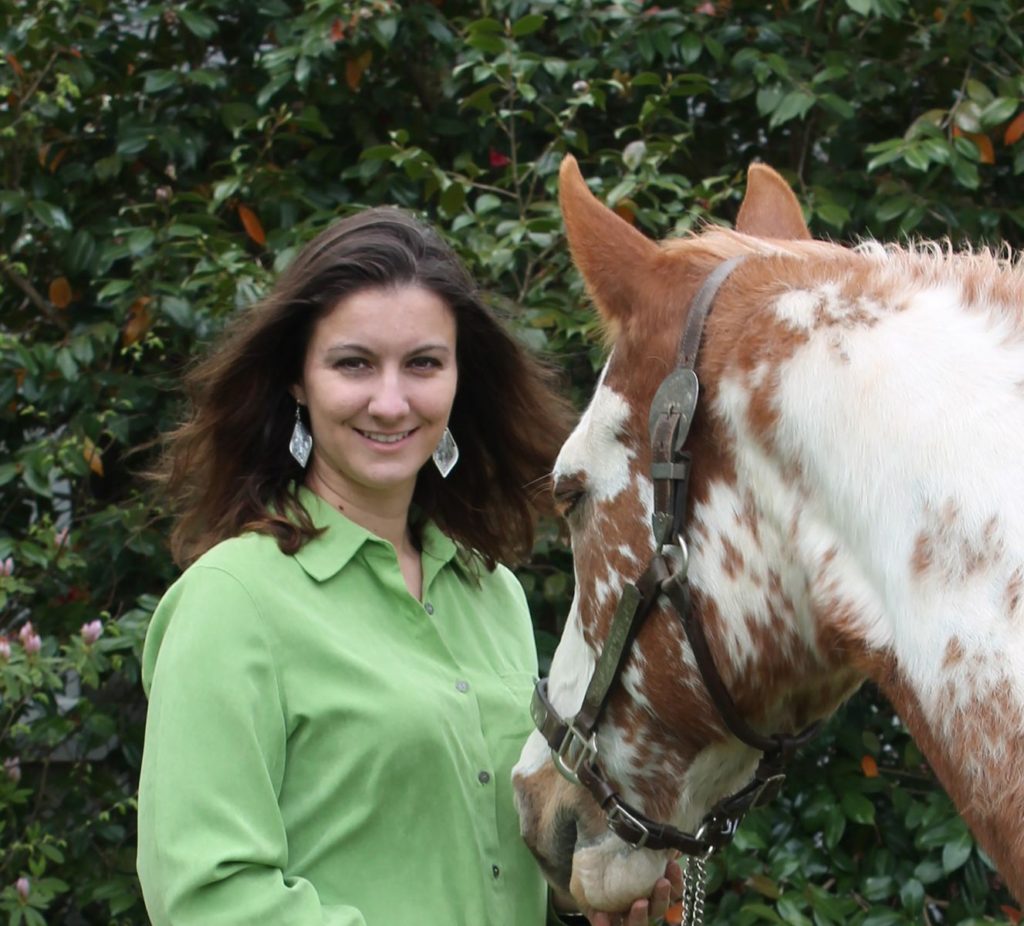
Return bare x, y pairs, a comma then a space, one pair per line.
322, 748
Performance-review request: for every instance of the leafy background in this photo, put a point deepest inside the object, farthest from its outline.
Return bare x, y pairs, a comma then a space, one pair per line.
161, 161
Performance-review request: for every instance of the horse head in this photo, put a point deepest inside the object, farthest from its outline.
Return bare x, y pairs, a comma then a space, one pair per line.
798, 536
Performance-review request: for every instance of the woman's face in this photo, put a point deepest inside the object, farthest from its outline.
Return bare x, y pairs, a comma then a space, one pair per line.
379, 380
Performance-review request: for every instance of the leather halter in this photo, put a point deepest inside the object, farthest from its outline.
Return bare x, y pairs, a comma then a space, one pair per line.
574, 743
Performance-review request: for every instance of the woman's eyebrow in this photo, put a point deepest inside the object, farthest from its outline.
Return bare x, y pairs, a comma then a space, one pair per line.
351, 347
356, 348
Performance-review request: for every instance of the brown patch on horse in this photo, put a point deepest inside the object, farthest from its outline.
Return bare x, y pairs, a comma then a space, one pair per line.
987, 790
950, 549
954, 653
732, 559
1014, 590
921, 559
769, 208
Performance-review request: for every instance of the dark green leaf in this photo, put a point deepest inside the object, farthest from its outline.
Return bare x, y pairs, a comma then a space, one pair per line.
50, 215
198, 23
857, 808
997, 112
527, 25
792, 106
157, 81
956, 853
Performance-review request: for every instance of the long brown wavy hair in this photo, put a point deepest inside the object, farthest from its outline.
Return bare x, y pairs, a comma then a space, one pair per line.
227, 470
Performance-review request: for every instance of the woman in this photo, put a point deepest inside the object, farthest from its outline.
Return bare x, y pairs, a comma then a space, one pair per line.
339, 682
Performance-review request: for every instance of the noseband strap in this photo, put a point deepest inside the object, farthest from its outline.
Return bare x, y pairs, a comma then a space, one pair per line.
574, 743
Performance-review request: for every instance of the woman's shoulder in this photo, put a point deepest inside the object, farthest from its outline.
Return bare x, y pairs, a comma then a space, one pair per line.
215, 605
505, 578
241, 567
247, 555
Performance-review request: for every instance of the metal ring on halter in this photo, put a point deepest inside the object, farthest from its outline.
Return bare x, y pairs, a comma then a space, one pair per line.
679, 554
722, 829
684, 553
568, 763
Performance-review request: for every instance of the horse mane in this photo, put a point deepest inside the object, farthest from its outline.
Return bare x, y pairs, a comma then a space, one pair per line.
990, 279
714, 244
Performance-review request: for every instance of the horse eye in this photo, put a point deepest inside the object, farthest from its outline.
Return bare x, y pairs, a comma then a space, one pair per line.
568, 492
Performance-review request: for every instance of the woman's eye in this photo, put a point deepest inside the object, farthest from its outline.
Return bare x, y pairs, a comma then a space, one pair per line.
351, 363
425, 363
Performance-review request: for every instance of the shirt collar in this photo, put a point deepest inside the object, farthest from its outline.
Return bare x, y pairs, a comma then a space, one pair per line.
326, 555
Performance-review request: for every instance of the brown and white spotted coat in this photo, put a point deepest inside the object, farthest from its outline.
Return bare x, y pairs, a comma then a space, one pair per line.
855, 512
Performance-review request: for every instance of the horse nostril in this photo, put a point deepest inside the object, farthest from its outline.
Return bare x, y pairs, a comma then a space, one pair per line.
563, 845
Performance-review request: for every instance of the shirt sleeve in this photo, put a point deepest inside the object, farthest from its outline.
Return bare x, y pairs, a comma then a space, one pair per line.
212, 843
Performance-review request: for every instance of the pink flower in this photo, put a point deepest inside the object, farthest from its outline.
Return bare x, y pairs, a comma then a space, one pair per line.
30, 639
24, 887
92, 631
7, 566
61, 537
12, 768
498, 159
5, 649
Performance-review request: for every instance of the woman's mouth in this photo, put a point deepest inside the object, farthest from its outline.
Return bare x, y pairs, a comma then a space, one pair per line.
382, 437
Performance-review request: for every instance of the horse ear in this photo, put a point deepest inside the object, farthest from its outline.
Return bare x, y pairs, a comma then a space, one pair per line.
615, 260
769, 209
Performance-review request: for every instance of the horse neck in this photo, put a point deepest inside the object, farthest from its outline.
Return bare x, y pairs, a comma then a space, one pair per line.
891, 463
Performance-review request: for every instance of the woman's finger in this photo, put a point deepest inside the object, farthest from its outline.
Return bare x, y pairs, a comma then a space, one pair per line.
674, 873
659, 898
639, 914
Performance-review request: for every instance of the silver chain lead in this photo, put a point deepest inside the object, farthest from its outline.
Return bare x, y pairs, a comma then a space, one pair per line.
694, 888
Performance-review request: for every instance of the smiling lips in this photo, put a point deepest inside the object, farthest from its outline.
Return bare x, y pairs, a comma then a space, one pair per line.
381, 438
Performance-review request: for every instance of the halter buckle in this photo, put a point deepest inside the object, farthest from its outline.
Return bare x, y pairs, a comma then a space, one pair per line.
677, 393
618, 814
573, 751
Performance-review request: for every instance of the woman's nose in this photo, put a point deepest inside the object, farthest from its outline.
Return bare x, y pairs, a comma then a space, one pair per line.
389, 401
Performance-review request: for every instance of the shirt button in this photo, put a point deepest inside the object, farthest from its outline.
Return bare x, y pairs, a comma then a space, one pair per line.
462, 685
429, 608
484, 777
495, 870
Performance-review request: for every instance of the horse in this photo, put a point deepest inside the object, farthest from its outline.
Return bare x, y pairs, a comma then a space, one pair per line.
851, 449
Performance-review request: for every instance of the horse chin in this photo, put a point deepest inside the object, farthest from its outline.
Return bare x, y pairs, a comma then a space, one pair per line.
609, 875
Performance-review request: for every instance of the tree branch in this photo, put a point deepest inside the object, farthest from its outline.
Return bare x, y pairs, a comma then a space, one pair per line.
33, 295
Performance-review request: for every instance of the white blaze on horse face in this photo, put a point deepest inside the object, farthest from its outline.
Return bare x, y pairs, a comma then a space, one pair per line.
595, 449
595, 453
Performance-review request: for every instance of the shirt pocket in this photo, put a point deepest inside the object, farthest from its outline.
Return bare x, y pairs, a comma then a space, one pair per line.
520, 685
519, 690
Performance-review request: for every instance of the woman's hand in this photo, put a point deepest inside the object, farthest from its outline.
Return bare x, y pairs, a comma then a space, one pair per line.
649, 910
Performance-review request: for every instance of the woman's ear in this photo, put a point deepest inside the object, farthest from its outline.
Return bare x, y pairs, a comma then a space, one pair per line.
298, 393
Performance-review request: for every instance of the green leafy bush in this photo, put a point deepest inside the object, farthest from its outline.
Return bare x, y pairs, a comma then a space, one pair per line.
162, 161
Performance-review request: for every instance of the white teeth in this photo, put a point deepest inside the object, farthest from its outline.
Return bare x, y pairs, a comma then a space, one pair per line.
386, 438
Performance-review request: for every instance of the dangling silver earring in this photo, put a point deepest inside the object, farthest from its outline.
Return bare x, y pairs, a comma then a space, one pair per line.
301, 444
446, 454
